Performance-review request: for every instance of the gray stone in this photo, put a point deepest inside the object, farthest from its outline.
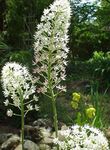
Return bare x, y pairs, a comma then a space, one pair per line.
47, 140
43, 123
107, 133
28, 145
45, 132
11, 143
44, 147
47, 136
64, 127
54, 148
4, 137
32, 133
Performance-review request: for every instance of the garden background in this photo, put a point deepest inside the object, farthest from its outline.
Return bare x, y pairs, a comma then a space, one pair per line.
88, 70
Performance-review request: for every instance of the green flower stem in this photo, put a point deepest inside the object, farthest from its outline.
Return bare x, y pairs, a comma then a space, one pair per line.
55, 115
22, 120
22, 126
51, 92
52, 97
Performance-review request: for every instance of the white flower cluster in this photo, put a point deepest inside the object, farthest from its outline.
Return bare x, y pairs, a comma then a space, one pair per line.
82, 138
51, 45
17, 83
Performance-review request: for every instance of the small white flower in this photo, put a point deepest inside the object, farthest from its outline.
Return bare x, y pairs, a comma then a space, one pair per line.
46, 11
6, 93
56, 140
36, 107
29, 107
63, 76
9, 113
6, 102
35, 98
62, 88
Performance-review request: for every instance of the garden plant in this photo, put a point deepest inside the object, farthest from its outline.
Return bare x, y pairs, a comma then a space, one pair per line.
50, 52
19, 91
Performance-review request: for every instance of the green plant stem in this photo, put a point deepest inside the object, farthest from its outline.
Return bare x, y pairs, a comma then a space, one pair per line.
52, 96
22, 121
51, 92
55, 116
53, 99
55, 119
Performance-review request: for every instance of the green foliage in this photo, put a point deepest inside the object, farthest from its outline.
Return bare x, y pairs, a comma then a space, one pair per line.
21, 19
100, 65
89, 25
85, 34
95, 98
103, 14
14, 22
41, 4
23, 57
89, 29
97, 67
84, 108
45, 110
3, 48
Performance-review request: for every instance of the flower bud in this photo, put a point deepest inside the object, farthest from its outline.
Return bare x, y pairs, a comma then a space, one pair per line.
76, 97
74, 104
90, 112
9, 113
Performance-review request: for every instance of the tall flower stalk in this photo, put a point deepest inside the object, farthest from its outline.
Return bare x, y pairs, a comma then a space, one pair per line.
51, 51
18, 86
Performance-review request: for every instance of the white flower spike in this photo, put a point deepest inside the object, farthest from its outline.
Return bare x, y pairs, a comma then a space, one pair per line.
51, 45
17, 82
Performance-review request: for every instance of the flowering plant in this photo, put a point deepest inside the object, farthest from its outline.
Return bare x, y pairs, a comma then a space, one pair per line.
75, 100
90, 112
86, 113
51, 45
18, 86
51, 50
82, 138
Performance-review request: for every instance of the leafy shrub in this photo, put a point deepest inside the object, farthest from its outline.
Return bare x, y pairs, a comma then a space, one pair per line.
23, 57
100, 65
96, 67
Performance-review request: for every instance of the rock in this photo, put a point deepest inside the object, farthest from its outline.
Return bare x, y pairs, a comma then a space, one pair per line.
19, 147
45, 132
44, 147
54, 148
60, 136
28, 145
43, 123
107, 133
82, 85
64, 127
47, 136
47, 140
11, 143
4, 137
32, 133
